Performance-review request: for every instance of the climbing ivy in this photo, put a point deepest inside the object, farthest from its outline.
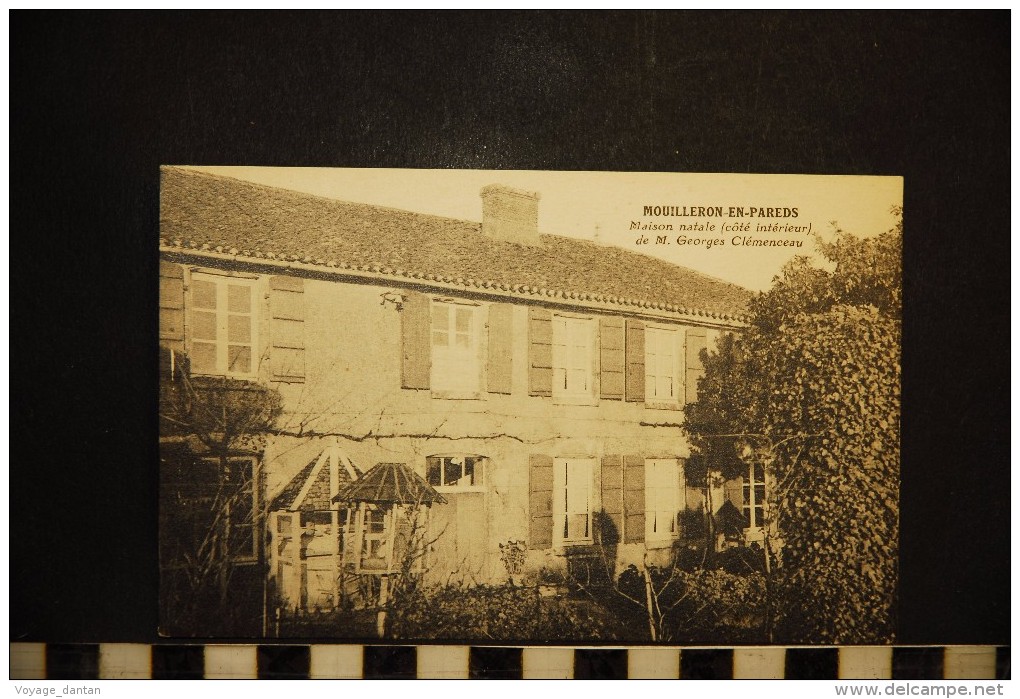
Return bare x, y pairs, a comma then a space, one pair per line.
812, 390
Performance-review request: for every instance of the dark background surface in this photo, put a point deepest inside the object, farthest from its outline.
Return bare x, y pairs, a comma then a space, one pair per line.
99, 101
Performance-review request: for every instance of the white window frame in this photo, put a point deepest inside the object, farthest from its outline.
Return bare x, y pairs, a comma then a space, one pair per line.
450, 364
222, 342
570, 332
228, 523
656, 338
481, 469
358, 537
749, 484
383, 538
662, 501
562, 499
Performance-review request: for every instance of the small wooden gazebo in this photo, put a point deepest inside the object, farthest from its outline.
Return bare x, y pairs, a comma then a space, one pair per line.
305, 531
387, 525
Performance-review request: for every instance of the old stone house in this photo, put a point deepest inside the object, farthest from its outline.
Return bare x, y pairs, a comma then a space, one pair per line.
535, 381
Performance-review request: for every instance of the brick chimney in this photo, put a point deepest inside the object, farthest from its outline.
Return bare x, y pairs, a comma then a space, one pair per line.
510, 214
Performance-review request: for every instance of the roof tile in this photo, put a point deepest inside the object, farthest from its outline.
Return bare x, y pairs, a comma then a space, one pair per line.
195, 206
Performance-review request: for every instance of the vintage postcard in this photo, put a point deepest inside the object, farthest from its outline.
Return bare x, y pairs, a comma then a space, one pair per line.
529, 407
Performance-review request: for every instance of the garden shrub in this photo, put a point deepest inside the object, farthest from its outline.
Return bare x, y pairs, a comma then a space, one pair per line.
698, 606
503, 613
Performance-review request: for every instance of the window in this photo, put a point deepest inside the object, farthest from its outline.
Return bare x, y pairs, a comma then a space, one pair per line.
222, 329
375, 540
455, 347
754, 496
455, 472
573, 357
384, 538
662, 499
572, 500
234, 506
662, 364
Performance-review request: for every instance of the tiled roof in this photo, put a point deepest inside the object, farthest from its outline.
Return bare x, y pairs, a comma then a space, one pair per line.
390, 483
205, 212
285, 500
317, 497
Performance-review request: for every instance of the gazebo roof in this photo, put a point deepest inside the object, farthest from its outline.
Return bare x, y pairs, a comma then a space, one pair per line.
390, 483
287, 497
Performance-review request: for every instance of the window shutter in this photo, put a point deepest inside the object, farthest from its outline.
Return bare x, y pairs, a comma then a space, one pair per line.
681, 493
539, 352
696, 341
611, 358
415, 326
287, 328
612, 497
499, 374
540, 486
171, 305
633, 499
635, 361
734, 492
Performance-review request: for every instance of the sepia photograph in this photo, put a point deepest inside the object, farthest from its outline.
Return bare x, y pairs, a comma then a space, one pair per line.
510, 344
529, 406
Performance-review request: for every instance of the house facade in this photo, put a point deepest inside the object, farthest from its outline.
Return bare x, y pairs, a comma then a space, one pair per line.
535, 381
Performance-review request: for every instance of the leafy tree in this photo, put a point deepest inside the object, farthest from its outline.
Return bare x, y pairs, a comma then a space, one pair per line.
716, 413
812, 391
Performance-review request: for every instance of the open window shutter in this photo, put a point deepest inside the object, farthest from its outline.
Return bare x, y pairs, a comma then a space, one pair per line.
635, 361
696, 341
681, 493
287, 328
540, 487
633, 499
734, 492
416, 345
539, 352
499, 374
611, 358
171, 305
612, 498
